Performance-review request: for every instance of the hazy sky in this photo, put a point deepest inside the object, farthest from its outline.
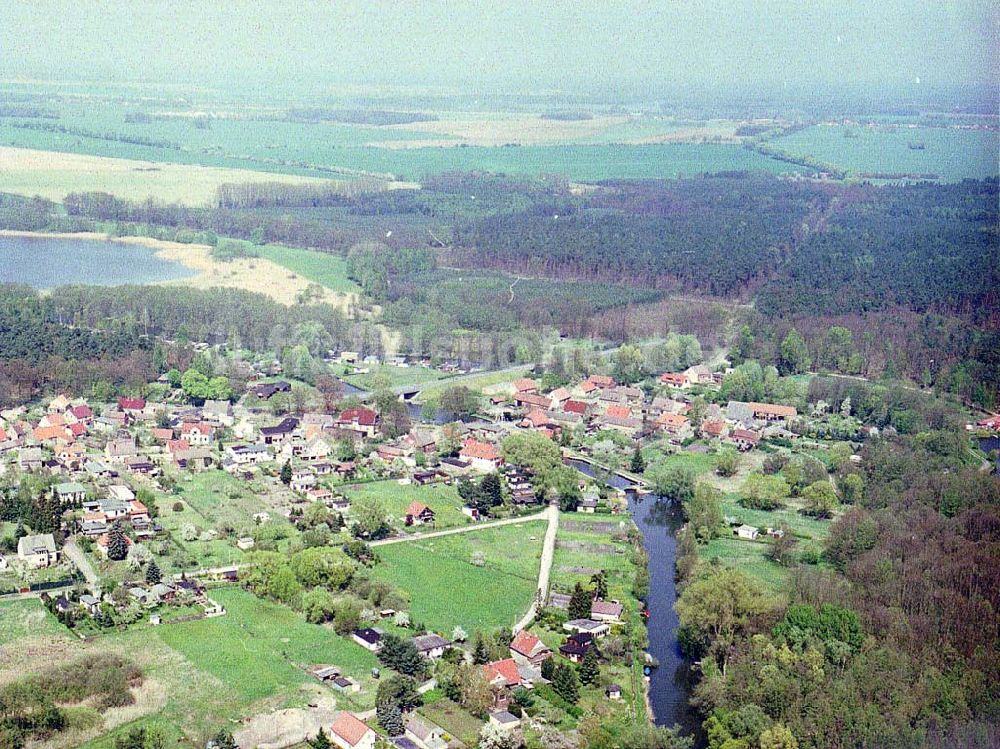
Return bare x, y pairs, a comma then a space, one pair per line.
501, 45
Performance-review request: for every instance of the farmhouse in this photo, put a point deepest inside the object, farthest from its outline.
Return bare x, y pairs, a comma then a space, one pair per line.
675, 425
359, 421
675, 380
280, 433
348, 732
744, 439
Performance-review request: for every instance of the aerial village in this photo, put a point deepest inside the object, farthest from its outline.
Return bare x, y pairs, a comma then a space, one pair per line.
138, 512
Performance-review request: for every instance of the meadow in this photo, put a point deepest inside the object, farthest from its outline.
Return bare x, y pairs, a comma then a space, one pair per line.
446, 589
329, 271
394, 376
395, 498
951, 154
26, 617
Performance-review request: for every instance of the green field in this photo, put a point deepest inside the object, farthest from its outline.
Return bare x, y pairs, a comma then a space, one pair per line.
949, 153
395, 498
446, 589
323, 268
473, 382
24, 618
261, 648
395, 376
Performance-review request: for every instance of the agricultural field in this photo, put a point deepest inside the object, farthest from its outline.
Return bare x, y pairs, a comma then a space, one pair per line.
53, 175
447, 589
951, 154
394, 376
395, 498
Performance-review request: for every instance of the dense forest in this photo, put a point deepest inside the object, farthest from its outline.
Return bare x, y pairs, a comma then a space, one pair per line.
890, 637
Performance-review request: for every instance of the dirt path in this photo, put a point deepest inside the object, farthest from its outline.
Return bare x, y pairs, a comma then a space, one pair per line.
75, 553
548, 552
464, 529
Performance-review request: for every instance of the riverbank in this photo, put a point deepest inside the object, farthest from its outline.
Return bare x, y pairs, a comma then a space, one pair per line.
257, 275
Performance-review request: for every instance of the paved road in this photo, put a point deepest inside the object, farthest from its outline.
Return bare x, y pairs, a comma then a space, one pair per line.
75, 553
464, 529
548, 552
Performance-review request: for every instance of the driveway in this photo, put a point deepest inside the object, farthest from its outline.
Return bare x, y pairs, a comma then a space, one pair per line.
76, 555
548, 553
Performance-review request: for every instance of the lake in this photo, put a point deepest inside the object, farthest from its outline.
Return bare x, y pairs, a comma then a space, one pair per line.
47, 262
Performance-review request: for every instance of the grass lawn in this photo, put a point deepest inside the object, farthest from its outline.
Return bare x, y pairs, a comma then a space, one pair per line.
323, 268
394, 376
748, 557
806, 528
395, 498
260, 648
474, 382
446, 589
454, 720
26, 617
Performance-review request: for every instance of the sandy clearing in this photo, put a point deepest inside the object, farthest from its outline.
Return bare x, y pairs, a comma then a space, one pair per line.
53, 175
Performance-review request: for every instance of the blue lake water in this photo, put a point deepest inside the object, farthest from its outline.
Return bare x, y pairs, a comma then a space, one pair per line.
47, 262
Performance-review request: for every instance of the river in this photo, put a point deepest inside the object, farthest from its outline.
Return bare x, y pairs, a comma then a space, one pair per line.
47, 262
670, 684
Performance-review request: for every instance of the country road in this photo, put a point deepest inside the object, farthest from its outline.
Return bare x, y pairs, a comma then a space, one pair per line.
548, 553
75, 553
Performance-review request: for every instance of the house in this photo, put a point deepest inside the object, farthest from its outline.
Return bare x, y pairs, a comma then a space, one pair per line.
319, 495
588, 505
315, 449
504, 720
587, 626
243, 455
348, 732
71, 493
368, 638
302, 480
676, 425
29, 458
359, 421
102, 545
218, 412
606, 611
38, 551
133, 406
769, 412
503, 677
748, 532
613, 692
482, 456
699, 374
744, 439
675, 380
281, 432
424, 733
423, 442
121, 493
265, 390
575, 407
525, 385
559, 396
601, 381
430, 645
713, 429
419, 514
90, 603
528, 648
197, 432
59, 404
533, 400
120, 450
194, 458
576, 646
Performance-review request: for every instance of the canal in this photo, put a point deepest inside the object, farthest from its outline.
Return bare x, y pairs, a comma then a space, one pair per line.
671, 682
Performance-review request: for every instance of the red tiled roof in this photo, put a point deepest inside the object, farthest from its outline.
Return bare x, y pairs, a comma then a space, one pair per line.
575, 407
537, 418
525, 643
745, 434
524, 384
416, 508
174, 446
606, 608
43, 434
618, 412
190, 426
559, 394
503, 672
131, 404
477, 449
82, 411
364, 416
587, 386
532, 399
671, 420
77, 429
713, 427
673, 378
349, 728
602, 381
773, 409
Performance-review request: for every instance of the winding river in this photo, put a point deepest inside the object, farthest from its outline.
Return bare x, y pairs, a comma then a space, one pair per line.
670, 684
